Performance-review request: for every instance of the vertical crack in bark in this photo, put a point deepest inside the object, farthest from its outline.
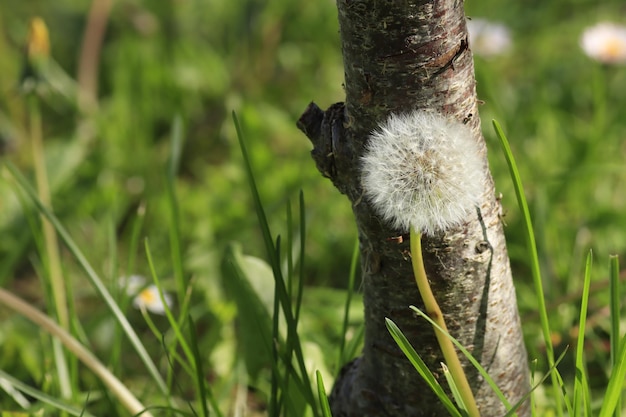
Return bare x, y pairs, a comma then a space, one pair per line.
400, 56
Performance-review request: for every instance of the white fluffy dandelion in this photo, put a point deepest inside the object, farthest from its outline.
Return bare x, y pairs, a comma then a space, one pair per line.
422, 170
605, 42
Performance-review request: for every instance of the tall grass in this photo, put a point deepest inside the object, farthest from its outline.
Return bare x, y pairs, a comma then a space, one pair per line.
291, 389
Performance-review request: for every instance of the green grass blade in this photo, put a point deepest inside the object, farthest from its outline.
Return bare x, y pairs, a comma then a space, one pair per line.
616, 383
290, 269
137, 226
181, 283
136, 229
529, 235
533, 371
94, 279
563, 389
272, 255
321, 391
292, 335
346, 312
292, 338
50, 254
521, 401
204, 394
615, 308
292, 330
172, 200
470, 357
456, 394
170, 355
171, 411
421, 367
258, 205
189, 348
289, 343
291, 346
176, 149
581, 383
533, 260
112, 249
280, 386
301, 258
356, 342
43, 397
168, 312
260, 347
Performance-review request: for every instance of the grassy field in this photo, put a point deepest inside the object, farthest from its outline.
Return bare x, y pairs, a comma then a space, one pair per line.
148, 179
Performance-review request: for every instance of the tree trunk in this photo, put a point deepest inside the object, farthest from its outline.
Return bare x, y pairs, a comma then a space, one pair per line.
400, 56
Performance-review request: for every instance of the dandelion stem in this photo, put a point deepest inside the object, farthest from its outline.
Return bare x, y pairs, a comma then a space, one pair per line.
434, 312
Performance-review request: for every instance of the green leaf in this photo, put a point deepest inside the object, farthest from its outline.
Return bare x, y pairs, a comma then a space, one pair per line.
203, 393
616, 383
254, 324
581, 383
343, 358
615, 308
454, 389
321, 391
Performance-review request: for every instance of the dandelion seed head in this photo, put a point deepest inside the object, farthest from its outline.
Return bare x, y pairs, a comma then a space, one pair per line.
423, 170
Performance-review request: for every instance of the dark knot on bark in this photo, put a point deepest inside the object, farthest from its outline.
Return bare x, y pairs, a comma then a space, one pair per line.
325, 130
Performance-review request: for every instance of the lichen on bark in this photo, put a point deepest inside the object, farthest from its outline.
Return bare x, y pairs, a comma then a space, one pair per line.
399, 56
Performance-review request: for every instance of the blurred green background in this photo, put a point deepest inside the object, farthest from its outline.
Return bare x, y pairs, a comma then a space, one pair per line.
201, 60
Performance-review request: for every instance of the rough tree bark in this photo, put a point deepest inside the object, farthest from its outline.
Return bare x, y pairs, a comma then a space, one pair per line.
398, 56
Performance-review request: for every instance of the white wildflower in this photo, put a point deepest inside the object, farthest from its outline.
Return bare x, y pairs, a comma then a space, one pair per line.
605, 42
149, 299
146, 296
423, 170
487, 38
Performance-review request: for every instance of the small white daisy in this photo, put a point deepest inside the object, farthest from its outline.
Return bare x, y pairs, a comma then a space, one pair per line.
487, 38
145, 297
133, 284
149, 299
605, 42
